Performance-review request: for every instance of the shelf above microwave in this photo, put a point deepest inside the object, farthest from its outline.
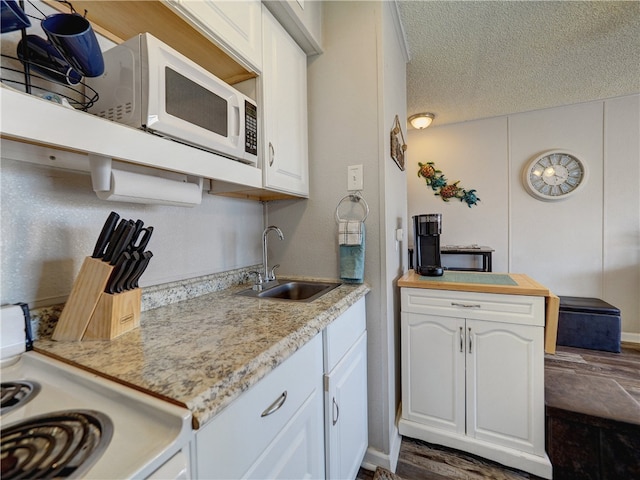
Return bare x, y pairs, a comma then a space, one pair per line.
40, 122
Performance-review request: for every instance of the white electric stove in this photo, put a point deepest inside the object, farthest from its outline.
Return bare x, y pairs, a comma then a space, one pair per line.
59, 421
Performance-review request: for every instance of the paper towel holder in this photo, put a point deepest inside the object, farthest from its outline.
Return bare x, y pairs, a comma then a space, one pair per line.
143, 185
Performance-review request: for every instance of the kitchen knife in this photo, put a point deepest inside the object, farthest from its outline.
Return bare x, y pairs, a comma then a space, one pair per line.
117, 272
113, 240
137, 228
122, 243
126, 272
106, 233
137, 273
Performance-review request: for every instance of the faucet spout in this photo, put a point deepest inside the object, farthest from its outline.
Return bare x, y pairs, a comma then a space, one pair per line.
269, 275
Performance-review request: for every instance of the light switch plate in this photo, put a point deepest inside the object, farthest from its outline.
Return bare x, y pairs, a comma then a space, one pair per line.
355, 177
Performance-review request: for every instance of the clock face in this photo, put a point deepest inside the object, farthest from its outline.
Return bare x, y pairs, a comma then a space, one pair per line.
554, 175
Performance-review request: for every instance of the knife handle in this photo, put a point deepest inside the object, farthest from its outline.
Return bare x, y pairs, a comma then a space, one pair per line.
137, 227
123, 242
103, 239
128, 284
117, 272
127, 270
113, 240
140, 269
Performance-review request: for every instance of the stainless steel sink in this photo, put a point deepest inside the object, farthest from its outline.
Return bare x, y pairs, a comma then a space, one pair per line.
293, 290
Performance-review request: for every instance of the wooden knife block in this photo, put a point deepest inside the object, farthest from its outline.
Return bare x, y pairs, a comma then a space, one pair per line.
92, 314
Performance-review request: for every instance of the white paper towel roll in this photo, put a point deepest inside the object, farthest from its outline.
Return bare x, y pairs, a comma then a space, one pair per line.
148, 189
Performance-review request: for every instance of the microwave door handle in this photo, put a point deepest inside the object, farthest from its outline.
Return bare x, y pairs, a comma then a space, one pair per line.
235, 121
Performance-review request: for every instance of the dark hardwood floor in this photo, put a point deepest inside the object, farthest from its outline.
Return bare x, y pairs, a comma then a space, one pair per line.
422, 461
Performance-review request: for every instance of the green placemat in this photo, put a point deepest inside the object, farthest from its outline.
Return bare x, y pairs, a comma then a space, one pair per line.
470, 277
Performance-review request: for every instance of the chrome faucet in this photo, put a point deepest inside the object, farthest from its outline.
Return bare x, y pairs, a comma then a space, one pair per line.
267, 275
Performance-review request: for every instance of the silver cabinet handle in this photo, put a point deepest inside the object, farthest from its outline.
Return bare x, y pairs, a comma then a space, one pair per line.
466, 305
272, 154
470, 340
275, 406
336, 409
461, 340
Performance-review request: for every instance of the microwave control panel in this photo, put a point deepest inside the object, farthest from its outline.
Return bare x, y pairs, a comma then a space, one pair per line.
251, 128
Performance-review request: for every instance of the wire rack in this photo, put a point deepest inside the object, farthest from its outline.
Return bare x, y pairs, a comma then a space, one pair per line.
40, 79
80, 96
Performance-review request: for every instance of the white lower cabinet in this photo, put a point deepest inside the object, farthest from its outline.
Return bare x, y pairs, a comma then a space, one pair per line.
346, 432
289, 426
473, 374
273, 430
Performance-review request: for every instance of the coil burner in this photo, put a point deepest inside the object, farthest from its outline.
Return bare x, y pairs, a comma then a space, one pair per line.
16, 394
61, 444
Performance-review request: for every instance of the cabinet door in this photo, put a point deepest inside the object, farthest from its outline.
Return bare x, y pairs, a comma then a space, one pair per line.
275, 429
284, 87
346, 413
235, 26
505, 385
433, 366
298, 450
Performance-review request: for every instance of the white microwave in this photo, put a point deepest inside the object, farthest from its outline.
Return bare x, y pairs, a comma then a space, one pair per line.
147, 84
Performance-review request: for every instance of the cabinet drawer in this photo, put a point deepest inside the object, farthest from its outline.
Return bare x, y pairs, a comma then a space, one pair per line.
519, 309
230, 443
342, 333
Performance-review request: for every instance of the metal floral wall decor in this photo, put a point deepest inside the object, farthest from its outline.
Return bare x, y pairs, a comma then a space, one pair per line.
439, 184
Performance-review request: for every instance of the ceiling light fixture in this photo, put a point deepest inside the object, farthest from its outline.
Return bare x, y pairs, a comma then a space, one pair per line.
421, 120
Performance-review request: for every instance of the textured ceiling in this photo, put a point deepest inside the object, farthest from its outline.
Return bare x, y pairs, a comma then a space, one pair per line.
479, 59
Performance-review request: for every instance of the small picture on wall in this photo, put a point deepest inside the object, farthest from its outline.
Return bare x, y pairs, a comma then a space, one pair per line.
398, 147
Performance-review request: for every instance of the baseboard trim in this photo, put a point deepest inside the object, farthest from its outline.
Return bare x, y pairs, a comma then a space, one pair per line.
630, 337
375, 458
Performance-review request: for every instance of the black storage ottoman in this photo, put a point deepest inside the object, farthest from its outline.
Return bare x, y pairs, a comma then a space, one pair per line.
589, 323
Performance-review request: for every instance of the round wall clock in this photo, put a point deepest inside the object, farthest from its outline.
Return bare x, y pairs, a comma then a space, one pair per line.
554, 175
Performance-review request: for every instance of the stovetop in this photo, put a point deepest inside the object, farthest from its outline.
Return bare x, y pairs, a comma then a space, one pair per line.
62, 444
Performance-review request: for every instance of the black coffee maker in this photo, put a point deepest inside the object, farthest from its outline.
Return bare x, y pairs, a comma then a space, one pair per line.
426, 233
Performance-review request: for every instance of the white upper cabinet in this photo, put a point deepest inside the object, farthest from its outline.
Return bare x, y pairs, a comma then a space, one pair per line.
284, 110
302, 19
234, 26
239, 42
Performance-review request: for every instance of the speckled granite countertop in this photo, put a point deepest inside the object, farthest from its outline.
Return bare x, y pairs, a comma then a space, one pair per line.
204, 352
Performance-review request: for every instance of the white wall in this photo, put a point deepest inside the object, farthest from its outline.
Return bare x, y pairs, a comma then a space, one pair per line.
51, 219
343, 131
355, 89
394, 207
558, 243
587, 245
